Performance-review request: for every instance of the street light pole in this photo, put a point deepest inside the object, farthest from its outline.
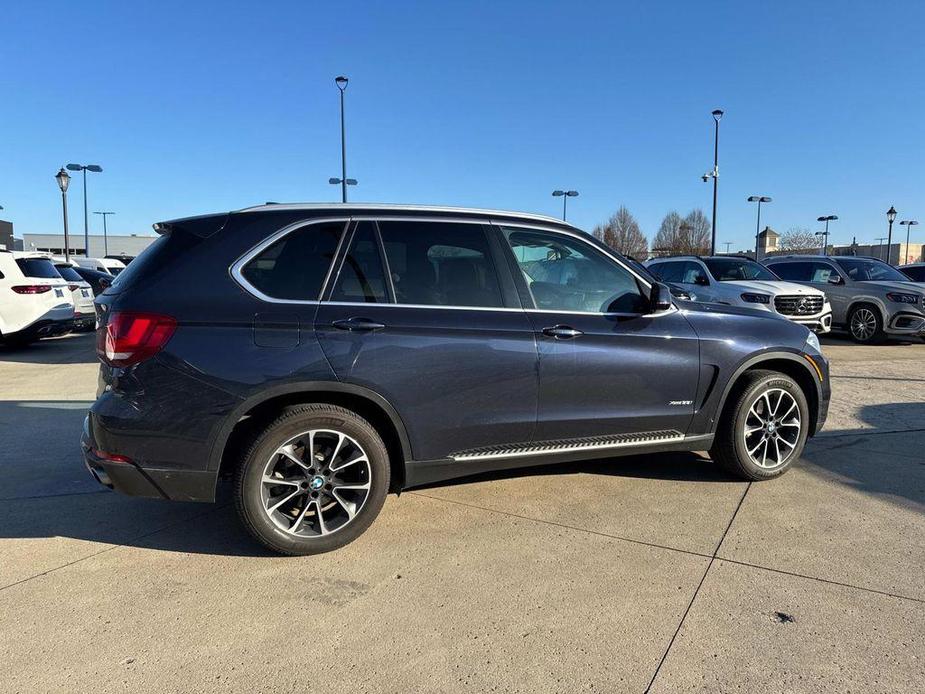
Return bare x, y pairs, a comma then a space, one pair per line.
759, 199
908, 223
565, 195
341, 83
880, 241
63, 181
105, 232
714, 174
85, 168
890, 216
825, 234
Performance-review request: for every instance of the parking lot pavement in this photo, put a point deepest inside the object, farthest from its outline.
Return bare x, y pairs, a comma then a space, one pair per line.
649, 572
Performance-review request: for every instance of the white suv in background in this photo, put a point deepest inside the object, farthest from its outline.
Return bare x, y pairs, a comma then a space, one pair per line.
82, 292
741, 281
109, 265
35, 301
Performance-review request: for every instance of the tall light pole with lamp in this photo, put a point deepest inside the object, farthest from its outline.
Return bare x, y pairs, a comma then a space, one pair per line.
890, 216
880, 241
343, 181
105, 231
85, 168
908, 223
759, 199
63, 181
825, 234
565, 195
714, 174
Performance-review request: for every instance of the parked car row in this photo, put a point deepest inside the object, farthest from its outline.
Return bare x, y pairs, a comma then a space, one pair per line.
865, 296
44, 296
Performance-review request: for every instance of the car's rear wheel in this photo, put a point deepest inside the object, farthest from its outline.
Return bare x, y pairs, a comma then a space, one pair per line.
313, 481
865, 324
764, 429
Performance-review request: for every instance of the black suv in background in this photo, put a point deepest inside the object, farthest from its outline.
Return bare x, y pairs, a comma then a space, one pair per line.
323, 355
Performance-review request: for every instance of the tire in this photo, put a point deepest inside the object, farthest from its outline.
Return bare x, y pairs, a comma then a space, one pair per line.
865, 324
348, 468
741, 453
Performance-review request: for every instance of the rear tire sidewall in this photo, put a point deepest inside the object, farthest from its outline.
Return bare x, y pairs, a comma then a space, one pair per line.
250, 474
878, 329
751, 469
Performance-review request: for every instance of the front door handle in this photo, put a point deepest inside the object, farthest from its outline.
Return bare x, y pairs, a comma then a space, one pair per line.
562, 332
357, 324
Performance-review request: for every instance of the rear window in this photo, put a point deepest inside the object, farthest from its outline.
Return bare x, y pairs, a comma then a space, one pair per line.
38, 267
68, 273
294, 267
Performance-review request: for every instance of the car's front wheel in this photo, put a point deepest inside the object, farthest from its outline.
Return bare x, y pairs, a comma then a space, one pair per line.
865, 324
764, 428
313, 481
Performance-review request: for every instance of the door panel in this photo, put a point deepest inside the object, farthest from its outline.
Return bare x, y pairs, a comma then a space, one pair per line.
605, 367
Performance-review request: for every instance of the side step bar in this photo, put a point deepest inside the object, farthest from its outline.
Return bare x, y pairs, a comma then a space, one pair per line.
569, 445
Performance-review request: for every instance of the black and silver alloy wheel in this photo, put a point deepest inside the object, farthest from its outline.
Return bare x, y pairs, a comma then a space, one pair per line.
772, 428
864, 324
316, 483
763, 427
313, 480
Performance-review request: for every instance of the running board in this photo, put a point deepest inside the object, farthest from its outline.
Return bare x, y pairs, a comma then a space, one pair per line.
595, 443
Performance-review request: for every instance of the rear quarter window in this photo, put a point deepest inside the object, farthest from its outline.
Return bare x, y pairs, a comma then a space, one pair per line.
294, 268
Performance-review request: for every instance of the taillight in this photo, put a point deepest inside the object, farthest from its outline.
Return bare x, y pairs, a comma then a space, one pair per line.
129, 338
32, 288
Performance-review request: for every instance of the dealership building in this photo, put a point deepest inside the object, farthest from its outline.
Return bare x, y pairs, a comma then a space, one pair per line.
114, 245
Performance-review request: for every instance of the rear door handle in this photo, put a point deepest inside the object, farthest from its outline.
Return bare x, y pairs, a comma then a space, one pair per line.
562, 332
358, 324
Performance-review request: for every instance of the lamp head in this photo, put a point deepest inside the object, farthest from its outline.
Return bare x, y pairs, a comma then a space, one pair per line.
63, 180
717, 115
891, 214
341, 82
572, 193
558, 193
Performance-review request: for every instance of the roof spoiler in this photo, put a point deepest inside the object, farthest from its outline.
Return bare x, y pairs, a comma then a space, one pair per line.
202, 226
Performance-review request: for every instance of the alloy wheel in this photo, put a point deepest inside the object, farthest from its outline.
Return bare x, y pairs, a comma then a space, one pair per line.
772, 428
315, 483
863, 324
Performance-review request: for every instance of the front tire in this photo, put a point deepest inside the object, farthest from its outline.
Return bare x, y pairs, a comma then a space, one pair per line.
764, 429
865, 324
313, 481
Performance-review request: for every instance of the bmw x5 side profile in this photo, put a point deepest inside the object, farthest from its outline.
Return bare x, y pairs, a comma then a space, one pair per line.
324, 355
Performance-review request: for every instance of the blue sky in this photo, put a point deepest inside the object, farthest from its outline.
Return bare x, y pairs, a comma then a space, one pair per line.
195, 107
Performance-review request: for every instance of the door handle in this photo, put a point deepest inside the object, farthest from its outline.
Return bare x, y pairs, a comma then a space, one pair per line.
357, 324
562, 332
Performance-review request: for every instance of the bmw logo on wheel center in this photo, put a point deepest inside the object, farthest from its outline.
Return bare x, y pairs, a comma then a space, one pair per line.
317, 482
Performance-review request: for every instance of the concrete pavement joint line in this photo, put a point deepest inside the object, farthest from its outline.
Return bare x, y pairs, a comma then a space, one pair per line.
865, 432
563, 525
112, 547
822, 580
882, 378
697, 591
51, 496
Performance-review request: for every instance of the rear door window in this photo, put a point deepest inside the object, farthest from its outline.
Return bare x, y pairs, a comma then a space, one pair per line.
362, 276
917, 273
692, 273
68, 273
41, 268
667, 272
293, 268
440, 264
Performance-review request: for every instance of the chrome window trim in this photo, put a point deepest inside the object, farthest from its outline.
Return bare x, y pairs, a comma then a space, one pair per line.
426, 306
238, 265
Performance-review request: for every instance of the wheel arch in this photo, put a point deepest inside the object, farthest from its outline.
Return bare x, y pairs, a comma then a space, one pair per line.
254, 413
794, 365
870, 301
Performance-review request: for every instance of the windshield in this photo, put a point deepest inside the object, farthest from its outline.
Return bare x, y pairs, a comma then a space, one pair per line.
38, 267
68, 273
870, 270
734, 269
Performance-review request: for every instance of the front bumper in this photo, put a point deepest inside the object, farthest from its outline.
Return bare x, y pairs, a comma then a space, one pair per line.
906, 323
818, 323
130, 478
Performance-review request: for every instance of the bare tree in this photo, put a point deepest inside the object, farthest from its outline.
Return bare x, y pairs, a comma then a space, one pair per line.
621, 232
798, 239
683, 236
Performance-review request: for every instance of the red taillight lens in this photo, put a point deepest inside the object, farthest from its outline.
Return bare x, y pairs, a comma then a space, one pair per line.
129, 338
32, 288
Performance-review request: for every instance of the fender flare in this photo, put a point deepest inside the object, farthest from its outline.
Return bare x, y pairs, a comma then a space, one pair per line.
873, 301
757, 360
221, 438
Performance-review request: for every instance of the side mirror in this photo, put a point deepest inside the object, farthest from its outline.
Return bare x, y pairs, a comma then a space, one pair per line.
701, 280
105, 283
835, 279
659, 298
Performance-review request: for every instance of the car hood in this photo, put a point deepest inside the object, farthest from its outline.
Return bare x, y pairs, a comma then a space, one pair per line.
775, 287
730, 310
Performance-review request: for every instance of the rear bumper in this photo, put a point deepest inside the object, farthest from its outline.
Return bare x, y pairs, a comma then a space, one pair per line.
84, 321
132, 479
42, 328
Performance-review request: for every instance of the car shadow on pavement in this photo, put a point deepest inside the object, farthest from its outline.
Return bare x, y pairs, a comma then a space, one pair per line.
76, 348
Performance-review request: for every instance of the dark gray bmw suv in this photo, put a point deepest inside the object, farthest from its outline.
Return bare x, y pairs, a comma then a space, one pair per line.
323, 355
